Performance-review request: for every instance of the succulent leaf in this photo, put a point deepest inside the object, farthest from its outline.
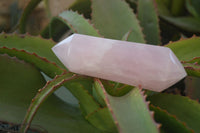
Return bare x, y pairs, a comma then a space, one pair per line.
132, 103
114, 18
26, 12
51, 69
82, 6
79, 89
169, 123
78, 23
185, 109
102, 119
193, 7
87, 102
148, 18
192, 87
19, 83
186, 49
192, 69
32, 44
42, 95
55, 29
187, 23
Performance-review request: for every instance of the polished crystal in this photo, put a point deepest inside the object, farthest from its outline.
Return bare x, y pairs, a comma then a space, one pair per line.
153, 67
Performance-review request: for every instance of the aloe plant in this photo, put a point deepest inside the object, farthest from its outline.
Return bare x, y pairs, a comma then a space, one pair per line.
30, 103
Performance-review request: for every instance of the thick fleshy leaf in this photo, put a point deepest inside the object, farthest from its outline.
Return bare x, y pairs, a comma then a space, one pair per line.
19, 83
192, 69
148, 18
98, 94
102, 119
114, 18
82, 6
116, 89
26, 12
42, 95
186, 49
78, 23
169, 123
10, 68
193, 7
55, 29
81, 89
42, 64
186, 23
133, 103
86, 101
192, 87
32, 44
163, 7
177, 7
185, 109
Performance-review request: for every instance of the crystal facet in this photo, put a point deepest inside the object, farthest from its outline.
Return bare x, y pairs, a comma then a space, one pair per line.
153, 67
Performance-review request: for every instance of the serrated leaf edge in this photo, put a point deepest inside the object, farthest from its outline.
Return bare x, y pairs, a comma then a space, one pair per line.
27, 34
60, 70
174, 116
181, 39
158, 20
72, 27
109, 106
34, 106
129, 8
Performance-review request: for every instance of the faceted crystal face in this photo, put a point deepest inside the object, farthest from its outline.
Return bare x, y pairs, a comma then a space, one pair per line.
153, 67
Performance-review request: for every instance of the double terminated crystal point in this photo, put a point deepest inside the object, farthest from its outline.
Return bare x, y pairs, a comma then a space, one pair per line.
153, 67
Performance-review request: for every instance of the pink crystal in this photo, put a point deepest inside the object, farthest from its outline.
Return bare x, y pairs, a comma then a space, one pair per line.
153, 67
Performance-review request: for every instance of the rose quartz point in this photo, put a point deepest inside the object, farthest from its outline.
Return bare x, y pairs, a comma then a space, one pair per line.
153, 67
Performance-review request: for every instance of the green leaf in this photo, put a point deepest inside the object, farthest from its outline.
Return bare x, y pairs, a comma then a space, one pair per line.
186, 23
192, 69
19, 84
15, 74
55, 29
42, 64
82, 6
193, 7
31, 44
26, 12
115, 88
169, 123
192, 87
163, 7
79, 89
102, 119
177, 7
42, 95
78, 23
133, 103
98, 94
185, 109
114, 18
186, 49
149, 21
86, 101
